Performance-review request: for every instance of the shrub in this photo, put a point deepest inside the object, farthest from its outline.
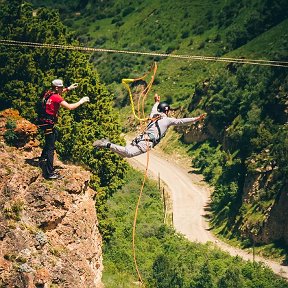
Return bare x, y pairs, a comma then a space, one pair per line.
185, 34
14, 210
10, 135
116, 19
198, 29
171, 48
127, 11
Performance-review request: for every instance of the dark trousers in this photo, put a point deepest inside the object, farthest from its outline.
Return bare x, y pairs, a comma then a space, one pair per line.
48, 150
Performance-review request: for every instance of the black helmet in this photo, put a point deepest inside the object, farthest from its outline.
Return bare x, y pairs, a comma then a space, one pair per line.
163, 107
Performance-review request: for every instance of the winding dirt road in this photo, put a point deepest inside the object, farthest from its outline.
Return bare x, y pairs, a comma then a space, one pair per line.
190, 195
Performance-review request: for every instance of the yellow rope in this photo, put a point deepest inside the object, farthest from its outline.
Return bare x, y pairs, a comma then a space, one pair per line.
143, 94
136, 214
261, 62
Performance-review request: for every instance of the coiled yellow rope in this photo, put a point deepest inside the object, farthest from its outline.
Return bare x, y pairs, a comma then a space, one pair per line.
143, 94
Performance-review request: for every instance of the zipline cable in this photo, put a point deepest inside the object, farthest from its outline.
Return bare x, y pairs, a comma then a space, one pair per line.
260, 62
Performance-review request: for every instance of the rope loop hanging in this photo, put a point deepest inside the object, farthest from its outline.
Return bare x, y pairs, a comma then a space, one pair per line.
142, 96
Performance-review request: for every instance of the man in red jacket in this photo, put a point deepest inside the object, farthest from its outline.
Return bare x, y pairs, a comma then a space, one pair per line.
51, 103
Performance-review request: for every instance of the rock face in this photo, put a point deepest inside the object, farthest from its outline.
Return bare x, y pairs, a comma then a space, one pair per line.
277, 225
272, 221
194, 133
25, 132
48, 229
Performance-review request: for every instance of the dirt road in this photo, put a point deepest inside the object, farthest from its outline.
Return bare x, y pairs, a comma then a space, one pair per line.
190, 195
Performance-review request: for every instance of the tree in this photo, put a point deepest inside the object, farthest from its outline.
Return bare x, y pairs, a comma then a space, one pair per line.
232, 278
204, 279
164, 273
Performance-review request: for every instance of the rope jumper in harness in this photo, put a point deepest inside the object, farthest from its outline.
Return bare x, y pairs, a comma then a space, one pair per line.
148, 134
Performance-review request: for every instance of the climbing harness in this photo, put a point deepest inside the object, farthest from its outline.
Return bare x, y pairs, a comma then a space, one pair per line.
45, 119
154, 121
150, 137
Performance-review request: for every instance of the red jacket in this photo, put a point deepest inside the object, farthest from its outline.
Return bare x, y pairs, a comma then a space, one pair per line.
53, 105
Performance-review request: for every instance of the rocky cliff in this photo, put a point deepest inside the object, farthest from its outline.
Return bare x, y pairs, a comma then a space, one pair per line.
269, 220
48, 229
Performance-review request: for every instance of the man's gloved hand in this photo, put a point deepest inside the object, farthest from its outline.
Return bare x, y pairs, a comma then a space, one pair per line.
84, 99
73, 86
156, 98
202, 116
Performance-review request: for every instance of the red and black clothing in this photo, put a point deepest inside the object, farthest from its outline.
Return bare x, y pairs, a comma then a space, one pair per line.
47, 120
50, 107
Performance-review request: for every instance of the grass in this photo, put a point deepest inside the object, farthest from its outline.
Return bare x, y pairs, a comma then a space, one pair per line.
13, 210
118, 279
148, 224
269, 42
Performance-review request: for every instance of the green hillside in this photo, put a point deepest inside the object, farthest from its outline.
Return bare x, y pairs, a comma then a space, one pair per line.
165, 258
211, 28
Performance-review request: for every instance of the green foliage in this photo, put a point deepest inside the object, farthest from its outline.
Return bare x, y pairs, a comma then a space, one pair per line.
10, 135
165, 274
13, 210
165, 258
204, 278
232, 278
241, 103
245, 20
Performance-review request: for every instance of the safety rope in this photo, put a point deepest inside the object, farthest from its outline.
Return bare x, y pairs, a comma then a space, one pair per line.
142, 97
136, 214
262, 62
149, 87
143, 94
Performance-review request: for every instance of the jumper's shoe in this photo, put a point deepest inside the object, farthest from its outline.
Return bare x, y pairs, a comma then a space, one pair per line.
54, 176
102, 143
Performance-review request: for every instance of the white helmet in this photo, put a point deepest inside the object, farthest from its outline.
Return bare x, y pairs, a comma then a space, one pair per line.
57, 83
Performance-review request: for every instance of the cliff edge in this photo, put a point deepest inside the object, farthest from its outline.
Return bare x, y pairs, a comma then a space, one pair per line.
48, 229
